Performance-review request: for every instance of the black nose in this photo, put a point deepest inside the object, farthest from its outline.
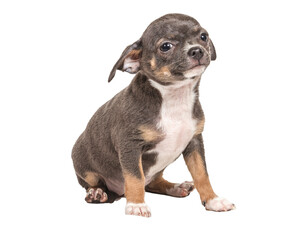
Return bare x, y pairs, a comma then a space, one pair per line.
195, 53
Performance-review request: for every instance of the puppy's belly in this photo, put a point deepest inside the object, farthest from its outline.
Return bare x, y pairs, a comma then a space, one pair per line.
169, 149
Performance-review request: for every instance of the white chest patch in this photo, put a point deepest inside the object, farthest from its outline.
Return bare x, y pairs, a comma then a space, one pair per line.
176, 123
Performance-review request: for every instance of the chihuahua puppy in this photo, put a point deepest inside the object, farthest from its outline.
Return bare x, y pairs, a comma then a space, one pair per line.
132, 138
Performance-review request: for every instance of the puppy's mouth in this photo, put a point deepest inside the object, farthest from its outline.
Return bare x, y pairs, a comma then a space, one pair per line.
194, 63
195, 70
199, 65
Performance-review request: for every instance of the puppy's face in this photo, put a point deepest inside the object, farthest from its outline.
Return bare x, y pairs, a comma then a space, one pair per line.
173, 48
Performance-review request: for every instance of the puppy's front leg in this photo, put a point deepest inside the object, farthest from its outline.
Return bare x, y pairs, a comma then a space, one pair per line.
195, 161
134, 185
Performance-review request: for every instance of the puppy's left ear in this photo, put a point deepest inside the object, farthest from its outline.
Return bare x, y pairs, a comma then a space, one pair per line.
212, 51
129, 60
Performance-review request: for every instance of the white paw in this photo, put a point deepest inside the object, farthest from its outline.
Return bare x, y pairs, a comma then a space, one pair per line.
219, 205
138, 209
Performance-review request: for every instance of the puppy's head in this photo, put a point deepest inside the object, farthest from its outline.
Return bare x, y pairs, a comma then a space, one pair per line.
172, 48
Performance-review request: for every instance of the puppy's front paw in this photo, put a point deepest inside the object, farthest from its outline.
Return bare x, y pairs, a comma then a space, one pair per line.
138, 209
219, 205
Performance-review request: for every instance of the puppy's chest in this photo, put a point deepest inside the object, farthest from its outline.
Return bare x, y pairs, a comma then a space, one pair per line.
177, 125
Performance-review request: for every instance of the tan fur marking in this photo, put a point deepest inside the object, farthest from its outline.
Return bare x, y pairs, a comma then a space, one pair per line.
199, 127
159, 185
135, 54
196, 28
165, 71
153, 63
92, 179
149, 134
202, 184
135, 187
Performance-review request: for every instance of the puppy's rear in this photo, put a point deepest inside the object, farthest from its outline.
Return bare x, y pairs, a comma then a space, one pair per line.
115, 132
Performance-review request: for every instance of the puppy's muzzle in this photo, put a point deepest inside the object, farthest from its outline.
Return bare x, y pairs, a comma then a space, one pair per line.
195, 53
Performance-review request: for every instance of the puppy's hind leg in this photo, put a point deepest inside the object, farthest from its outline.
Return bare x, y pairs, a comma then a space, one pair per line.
161, 186
94, 187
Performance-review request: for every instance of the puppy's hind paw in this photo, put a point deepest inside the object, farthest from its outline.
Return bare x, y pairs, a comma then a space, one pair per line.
186, 188
181, 190
137, 209
96, 195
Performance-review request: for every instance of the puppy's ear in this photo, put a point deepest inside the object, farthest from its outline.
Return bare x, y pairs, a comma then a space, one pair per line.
212, 51
129, 60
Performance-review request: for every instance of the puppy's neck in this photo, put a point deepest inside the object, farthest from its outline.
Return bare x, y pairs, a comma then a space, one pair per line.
179, 88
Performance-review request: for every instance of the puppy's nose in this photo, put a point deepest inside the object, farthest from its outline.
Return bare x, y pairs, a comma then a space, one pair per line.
195, 53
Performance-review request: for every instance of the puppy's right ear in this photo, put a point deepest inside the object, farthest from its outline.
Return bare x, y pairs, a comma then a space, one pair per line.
212, 51
129, 60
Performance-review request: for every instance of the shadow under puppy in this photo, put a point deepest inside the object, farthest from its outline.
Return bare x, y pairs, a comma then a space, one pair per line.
132, 138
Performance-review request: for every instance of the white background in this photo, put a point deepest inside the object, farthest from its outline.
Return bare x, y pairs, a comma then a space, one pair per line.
55, 58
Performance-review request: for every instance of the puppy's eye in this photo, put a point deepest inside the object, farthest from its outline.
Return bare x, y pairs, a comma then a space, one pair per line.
203, 37
165, 47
